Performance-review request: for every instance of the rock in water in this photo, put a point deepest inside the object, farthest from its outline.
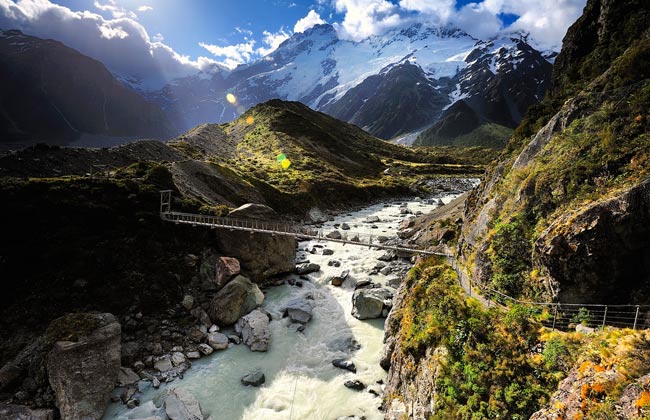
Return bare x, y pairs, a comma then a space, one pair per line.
236, 299
345, 364
345, 226
218, 341
260, 255
355, 385
307, 268
83, 368
339, 279
369, 303
254, 329
181, 405
372, 219
254, 379
335, 234
299, 310
227, 268
328, 251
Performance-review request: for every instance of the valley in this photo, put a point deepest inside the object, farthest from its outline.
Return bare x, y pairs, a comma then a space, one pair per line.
426, 219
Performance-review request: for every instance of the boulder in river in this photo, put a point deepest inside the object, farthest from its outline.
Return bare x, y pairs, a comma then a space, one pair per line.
345, 364
355, 385
328, 251
299, 310
370, 303
307, 268
181, 405
84, 362
254, 329
372, 219
236, 299
227, 268
338, 280
255, 378
345, 226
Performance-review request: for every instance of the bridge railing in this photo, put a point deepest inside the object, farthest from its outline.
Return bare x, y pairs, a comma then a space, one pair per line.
565, 316
298, 231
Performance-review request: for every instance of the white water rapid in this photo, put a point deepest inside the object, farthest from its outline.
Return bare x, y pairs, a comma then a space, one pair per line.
301, 382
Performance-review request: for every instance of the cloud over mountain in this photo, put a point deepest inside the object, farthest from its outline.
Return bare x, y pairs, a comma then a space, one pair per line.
121, 43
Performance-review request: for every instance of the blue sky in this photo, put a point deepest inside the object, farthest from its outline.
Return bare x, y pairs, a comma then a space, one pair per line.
175, 38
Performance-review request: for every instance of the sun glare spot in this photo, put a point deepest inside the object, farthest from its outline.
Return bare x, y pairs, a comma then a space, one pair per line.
250, 120
231, 98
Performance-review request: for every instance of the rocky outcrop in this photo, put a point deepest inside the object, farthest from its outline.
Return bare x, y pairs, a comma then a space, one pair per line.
234, 300
254, 330
260, 255
83, 364
602, 253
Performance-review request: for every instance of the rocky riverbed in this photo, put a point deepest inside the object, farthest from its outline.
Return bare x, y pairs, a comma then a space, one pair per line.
312, 349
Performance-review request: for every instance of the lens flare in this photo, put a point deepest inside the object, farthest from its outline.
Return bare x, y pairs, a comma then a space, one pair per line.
250, 120
231, 98
283, 161
241, 109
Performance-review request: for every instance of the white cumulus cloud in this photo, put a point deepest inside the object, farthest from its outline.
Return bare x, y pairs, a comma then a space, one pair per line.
122, 44
232, 55
145, 9
312, 19
363, 18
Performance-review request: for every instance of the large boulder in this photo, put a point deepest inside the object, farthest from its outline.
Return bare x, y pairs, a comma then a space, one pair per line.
227, 268
370, 303
234, 300
181, 405
260, 255
254, 329
84, 363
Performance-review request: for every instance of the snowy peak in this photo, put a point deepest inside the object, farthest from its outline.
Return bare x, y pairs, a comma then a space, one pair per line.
327, 73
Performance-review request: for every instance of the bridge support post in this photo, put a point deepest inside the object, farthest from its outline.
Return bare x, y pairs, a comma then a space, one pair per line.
604, 319
165, 201
636, 317
554, 317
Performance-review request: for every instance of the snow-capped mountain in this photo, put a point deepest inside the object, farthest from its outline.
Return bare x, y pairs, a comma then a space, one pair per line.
390, 84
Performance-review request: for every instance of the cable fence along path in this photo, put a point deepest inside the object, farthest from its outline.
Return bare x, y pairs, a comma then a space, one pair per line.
272, 227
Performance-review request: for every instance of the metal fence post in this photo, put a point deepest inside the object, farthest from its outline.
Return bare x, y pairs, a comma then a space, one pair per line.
554, 317
604, 318
636, 317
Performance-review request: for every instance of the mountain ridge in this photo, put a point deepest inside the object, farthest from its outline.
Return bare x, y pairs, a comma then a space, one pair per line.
54, 94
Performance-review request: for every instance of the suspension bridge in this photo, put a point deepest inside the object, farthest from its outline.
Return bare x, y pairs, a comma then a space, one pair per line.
280, 228
561, 316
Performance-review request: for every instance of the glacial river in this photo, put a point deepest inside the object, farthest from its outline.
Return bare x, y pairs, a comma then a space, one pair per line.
301, 382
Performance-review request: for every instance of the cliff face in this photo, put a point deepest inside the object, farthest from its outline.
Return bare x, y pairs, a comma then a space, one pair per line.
573, 195
562, 215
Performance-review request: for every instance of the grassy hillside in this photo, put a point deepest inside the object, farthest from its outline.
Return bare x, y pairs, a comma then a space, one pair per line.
332, 163
559, 190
